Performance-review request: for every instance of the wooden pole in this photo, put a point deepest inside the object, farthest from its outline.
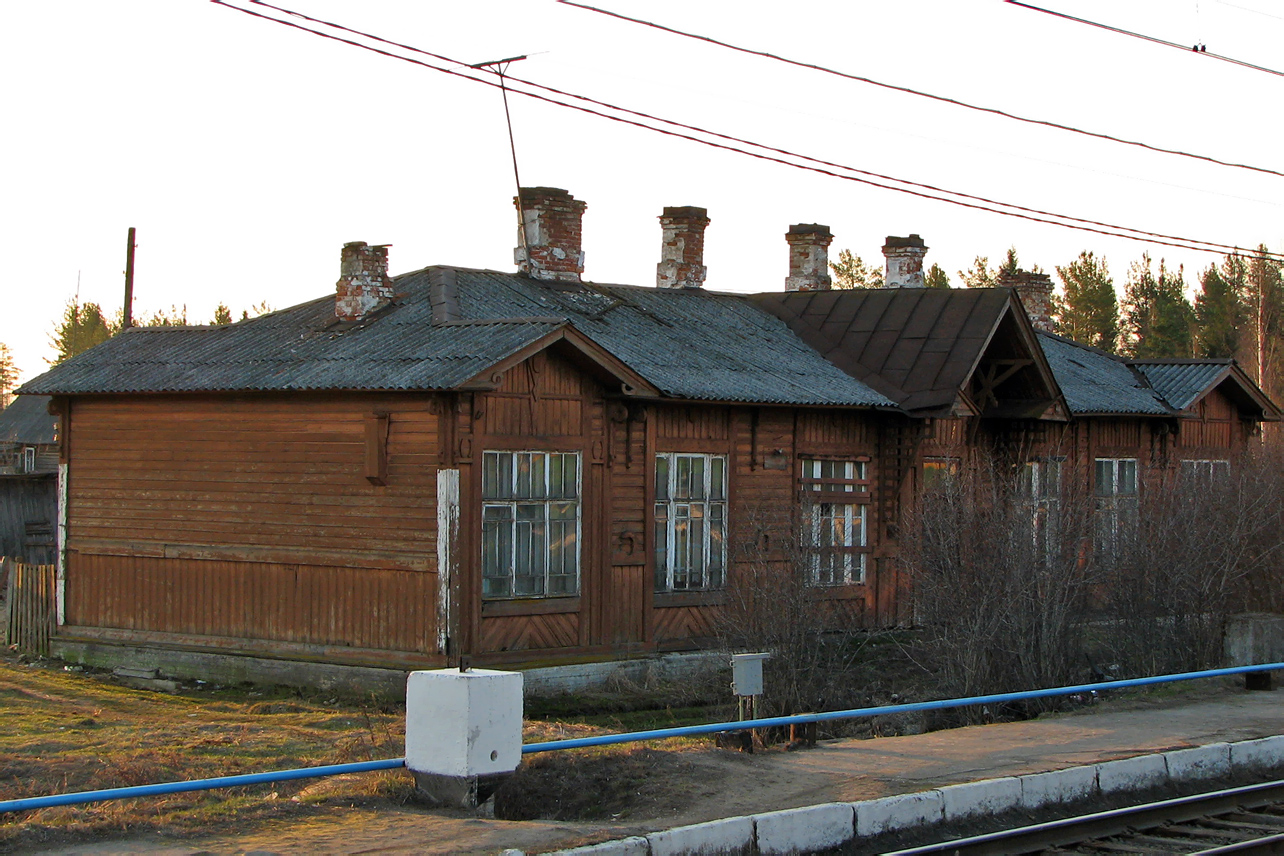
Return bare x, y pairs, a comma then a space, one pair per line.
129, 282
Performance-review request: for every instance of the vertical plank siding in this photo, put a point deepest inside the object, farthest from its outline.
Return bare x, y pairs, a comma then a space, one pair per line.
29, 607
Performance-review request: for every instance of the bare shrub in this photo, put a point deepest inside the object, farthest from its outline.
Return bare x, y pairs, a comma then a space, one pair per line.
1001, 586
1199, 549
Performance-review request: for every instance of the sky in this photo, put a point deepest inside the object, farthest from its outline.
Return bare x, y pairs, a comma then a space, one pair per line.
246, 153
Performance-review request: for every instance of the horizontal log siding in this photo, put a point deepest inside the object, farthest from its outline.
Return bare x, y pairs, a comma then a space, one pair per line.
310, 604
253, 518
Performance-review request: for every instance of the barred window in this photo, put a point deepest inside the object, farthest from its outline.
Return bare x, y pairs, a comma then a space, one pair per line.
690, 522
530, 524
834, 514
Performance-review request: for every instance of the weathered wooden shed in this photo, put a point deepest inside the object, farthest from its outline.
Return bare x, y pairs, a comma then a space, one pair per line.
28, 480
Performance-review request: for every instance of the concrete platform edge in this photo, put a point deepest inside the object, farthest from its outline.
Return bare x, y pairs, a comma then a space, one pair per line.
802, 830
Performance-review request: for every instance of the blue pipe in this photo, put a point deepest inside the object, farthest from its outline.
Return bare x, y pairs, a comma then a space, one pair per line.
200, 784
716, 727
608, 739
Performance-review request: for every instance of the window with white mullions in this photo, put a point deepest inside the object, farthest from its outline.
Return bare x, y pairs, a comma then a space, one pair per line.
834, 521
1039, 485
690, 522
1204, 474
1116, 503
530, 524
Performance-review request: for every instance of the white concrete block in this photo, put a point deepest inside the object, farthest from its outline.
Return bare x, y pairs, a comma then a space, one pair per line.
1257, 756
635, 846
1199, 763
463, 724
1058, 786
983, 798
805, 830
874, 817
1132, 774
730, 835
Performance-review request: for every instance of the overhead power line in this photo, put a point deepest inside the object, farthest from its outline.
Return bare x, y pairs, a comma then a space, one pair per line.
941, 98
1187, 48
727, 143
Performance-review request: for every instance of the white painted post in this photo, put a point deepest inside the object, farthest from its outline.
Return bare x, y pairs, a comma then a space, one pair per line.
463, 732
447, 534
60, 586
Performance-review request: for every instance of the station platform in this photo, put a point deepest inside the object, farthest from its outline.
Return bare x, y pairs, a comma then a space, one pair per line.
728, 784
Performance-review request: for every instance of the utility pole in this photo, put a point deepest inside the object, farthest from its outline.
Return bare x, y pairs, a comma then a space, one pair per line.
128, 312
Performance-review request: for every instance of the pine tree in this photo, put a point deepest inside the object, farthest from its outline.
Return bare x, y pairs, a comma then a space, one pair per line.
1218, 316
980, 275
222, 315
936, 277
1088, 310
1263, 297
1158, 320
8, 376
83, 326
850, 271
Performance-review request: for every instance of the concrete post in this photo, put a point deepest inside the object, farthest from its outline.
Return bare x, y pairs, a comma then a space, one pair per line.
463, 733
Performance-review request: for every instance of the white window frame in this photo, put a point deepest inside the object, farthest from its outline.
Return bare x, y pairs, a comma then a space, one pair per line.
1040, 488
835, 517
1116, 508
531, 524
1204, 472
690, 522
28, 459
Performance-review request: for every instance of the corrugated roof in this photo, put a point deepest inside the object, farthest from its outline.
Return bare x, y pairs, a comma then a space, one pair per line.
27, 420
1096, 382
688, 343
1182, 382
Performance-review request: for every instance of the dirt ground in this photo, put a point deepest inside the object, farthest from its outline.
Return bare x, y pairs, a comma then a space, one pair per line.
702, 783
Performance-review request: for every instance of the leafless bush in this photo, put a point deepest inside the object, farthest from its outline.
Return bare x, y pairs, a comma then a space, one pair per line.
770, 605
1000, 582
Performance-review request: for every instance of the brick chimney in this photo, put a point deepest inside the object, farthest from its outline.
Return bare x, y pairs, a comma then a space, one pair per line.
364, 285
904, 262
549, 244
682, 248
808, 257
1035, 291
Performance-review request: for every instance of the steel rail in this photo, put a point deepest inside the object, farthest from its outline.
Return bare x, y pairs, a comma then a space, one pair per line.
1072, 830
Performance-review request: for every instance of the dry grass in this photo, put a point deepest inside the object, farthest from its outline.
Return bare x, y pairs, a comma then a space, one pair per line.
63, 731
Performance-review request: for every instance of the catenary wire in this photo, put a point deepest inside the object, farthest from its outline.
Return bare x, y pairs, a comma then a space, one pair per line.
944, 99
1144, 37
459, 71
1211, 246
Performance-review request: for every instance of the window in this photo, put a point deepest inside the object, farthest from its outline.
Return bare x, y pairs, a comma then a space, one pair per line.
28, 459
1116, 502
1040, 489
530, 524
835, 510
938, 471
1204, 473
690, 522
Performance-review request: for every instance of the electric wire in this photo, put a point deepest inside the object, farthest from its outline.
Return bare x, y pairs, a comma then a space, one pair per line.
1143, 37
815, 165
941, 98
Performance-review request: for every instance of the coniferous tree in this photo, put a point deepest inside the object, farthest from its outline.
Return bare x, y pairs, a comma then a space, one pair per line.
936, 277
980, 275
222, 315
850, 271
1088, 309
83, 326
1218, 315
1263, 297
8, 376
1158, 320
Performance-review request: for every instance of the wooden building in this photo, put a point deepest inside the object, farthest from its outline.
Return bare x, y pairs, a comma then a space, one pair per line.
28, 480
526, 468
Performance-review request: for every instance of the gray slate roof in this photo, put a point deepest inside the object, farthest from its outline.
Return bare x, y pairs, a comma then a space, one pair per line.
1093, 381
690, 344
27, 421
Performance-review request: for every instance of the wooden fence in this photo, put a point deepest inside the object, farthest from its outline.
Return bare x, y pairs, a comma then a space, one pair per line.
29, 607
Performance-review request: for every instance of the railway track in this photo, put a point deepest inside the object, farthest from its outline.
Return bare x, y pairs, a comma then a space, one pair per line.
1237, 820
